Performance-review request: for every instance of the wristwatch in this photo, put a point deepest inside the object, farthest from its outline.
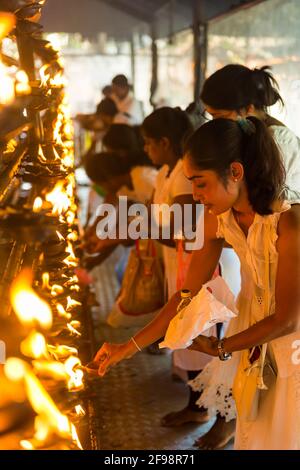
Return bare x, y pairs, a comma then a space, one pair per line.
223, 355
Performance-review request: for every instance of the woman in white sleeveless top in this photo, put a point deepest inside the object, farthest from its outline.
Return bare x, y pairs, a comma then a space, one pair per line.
249, 235
232, 92
236, 171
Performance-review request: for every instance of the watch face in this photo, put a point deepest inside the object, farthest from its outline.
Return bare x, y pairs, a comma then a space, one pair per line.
227, 356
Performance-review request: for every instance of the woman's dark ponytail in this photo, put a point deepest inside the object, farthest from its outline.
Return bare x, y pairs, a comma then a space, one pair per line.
263, 166
236, 87
265, 90
218, 143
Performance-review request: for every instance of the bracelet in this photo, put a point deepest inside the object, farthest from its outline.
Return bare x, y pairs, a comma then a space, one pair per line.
135, 343
223, 355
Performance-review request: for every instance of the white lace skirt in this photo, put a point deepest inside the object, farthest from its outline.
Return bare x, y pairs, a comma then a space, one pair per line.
216, 380
277, 426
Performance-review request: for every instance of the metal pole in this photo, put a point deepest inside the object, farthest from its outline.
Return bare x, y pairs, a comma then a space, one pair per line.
154, 79
200, 48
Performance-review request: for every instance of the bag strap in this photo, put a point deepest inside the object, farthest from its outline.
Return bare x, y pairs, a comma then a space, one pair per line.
260, 380
151, 250
180, 265
137, 247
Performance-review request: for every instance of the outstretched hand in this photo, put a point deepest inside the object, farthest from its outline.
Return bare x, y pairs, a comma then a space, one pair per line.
97, 245
109, 355
205, 344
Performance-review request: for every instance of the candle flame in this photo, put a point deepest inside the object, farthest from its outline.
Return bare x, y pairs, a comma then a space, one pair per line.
41, 154
73, 330
26, 445
69, 249
70, 218
56, 290
53, 369
62, 313
56, 155
38, 204
75, 288
72, 303
15, 369
22, 83
68, 161
44, 76
70, 189
58, 80
28, 306
68, 130
73, 236
79, 410
75, 437
56, 129
60, 237
59, 199
49, 420
46, 279
72, 365
34, 346
61, 351
73, 279
7, 23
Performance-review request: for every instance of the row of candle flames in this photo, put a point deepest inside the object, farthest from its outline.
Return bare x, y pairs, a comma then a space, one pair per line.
58, 362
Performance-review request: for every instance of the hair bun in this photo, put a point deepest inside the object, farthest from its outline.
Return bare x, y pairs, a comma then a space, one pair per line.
266, 86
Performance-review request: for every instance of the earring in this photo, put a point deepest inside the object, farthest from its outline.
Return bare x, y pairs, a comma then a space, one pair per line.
234, 175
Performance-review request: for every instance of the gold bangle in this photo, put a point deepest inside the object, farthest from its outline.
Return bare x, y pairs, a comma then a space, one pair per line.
135, 343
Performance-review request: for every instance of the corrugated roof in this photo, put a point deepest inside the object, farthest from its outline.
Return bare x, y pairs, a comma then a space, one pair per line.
120, 18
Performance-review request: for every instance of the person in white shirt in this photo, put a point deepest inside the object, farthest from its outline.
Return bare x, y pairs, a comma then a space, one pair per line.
107, 113
126, 103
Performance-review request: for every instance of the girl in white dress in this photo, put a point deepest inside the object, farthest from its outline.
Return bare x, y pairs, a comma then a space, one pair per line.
233, 92
247, 234
237, 172
164, 132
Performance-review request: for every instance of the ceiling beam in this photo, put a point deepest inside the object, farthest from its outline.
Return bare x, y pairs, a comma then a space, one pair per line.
130, 10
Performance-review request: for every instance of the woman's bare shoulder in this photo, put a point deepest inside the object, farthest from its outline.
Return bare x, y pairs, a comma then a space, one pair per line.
289, 221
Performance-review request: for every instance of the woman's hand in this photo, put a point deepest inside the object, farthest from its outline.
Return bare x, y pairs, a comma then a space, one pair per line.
90, 242
90, 231
97, 245
208, 345
109, 355
90, 262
